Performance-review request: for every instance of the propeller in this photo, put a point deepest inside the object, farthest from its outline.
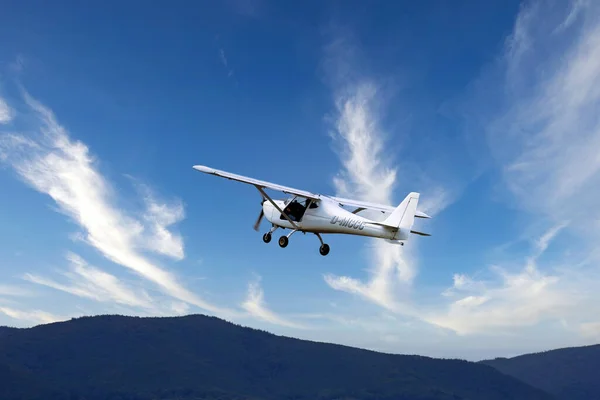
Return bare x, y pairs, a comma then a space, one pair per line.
261, 215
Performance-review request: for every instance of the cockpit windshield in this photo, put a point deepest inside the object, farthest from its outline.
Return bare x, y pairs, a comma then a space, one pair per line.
288, 200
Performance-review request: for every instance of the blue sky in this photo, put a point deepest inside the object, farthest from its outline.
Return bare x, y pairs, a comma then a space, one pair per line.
489, 110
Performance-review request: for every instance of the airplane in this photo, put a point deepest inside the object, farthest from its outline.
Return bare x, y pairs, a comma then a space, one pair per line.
322, 214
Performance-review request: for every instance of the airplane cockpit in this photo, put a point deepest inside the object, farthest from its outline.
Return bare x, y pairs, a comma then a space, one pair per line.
295, 209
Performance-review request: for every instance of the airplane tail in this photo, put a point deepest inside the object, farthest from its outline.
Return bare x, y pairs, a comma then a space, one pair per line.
403, 217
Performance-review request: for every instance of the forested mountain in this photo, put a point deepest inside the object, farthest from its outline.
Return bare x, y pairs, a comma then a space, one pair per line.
199, 357
570, 374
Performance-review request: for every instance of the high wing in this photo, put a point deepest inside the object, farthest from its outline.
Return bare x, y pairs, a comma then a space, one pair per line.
360, 205
257, 182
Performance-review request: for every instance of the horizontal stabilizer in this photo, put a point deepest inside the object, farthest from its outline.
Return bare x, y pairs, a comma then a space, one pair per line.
420, 233
421, 214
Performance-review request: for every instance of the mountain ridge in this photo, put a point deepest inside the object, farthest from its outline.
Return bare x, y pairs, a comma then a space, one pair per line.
567, 373
198, 356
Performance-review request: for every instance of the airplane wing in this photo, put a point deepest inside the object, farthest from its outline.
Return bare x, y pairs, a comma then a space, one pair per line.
299, 192
372, 206
256, 182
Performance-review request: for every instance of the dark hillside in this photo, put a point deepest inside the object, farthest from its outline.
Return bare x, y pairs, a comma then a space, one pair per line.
570, 374
198, 357
6, 329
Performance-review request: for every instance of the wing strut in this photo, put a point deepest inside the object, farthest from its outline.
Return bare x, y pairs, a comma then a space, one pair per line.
276, 206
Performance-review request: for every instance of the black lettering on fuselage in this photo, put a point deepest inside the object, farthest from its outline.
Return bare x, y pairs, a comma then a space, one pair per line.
348, 222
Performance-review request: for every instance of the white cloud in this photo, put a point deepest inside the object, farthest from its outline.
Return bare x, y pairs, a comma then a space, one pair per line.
32, 316
519, 299
90, 282
544, 135
159, 216
590, 330
366, 176
255, 305
545, 130
526, 297
62, 168
437, 199
509, 299
538, 109
180, 308
369, 172
6, 113
223, 59
11, 290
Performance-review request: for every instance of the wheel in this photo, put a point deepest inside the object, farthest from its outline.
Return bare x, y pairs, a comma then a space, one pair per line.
324, 249
267, 237
283, 241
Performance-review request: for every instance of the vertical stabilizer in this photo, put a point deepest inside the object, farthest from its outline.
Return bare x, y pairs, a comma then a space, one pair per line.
403, 217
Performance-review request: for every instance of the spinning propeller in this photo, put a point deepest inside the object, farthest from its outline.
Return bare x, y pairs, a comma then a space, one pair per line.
261, 215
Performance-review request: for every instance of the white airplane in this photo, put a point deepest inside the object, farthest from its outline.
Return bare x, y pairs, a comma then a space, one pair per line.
321, 214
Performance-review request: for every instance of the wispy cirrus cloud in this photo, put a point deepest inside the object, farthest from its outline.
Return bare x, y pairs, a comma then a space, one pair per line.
368, 173
32, 316
224, 61
90, 282
223, 58
6, 113
13, 290
543, 129
538, 108
590, 330
256, 306
366, 176
54, 164
158, 217
541, 126
507, 300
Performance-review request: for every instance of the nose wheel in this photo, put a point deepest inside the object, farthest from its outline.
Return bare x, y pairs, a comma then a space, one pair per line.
267, 236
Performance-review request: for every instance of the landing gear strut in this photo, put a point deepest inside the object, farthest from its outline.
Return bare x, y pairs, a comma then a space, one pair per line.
267, 236
324, 249
284, 240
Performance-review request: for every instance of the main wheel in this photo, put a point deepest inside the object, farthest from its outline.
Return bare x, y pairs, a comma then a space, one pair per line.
283, 241
324, 249
267, 237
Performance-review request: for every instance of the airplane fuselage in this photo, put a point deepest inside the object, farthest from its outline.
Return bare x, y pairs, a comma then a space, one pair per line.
329, 218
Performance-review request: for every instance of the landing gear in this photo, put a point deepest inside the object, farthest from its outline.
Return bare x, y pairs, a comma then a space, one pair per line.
267, 236
324, 249
283, 241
